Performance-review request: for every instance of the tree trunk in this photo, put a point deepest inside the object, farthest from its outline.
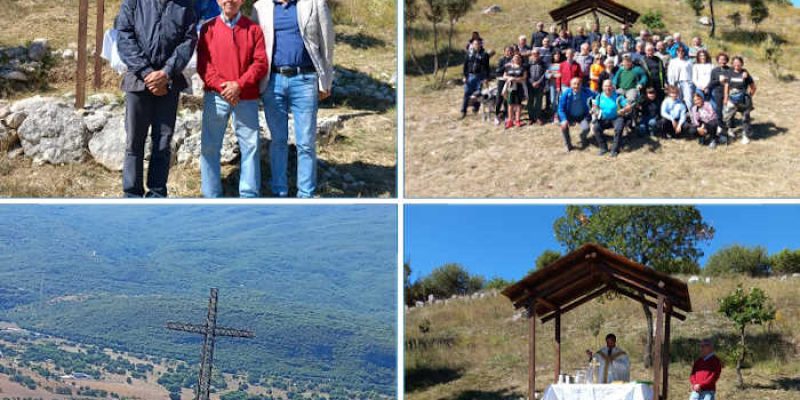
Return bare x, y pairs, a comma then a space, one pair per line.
713, 20
449, 49
435, 49
648, 346
412, 54
740, 360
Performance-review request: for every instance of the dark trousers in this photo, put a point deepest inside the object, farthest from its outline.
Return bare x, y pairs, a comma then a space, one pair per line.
711, 131
146, 112
601, 124
473, 85
584, 125
535, 103
500, 105
667, 130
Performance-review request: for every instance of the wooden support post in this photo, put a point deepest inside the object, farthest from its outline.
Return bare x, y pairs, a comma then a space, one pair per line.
558, 345
80, 73
666, 357
532, 351
658, 348
98, 44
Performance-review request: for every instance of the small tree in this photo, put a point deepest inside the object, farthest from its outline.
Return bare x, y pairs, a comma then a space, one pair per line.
456, 9
696, 5
786, 261
497, 283
736, 19
546, 258
737, 259
435, 15
412, 11
758, 12
653, 20
745, 309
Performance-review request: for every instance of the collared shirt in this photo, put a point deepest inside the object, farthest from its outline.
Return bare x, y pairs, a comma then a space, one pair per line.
708, 357
288, 50
231, 22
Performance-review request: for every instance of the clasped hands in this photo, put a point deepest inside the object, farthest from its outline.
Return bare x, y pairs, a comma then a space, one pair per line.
157, 82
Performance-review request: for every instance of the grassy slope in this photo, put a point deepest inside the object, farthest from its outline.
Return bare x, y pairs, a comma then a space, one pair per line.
488, 355
447, 157
365, 147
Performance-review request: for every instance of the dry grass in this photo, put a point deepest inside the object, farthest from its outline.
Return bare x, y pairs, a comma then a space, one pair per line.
487, 357
450, 158
365, 147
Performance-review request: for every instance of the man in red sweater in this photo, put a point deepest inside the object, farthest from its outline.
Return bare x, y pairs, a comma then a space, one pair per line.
569, 69
705, 373
231, 60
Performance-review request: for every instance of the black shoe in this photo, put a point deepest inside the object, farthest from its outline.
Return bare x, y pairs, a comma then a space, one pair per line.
569, 148
602, 152
614, 153
463, 114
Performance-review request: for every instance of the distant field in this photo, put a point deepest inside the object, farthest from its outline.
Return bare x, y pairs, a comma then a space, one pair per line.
475, 349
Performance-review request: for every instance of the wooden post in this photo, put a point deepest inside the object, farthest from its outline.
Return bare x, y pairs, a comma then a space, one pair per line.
80, 73
658, 348
98, 44
532, 351
666, 357
558, 345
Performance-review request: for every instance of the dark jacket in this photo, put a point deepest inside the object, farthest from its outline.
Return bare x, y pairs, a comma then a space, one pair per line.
536, 72
537, 38
155, 35
501, 67
714, 86
655, 71
477, 63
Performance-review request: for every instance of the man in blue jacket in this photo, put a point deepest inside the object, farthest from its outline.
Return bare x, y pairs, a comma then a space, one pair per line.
573, 108
156, 42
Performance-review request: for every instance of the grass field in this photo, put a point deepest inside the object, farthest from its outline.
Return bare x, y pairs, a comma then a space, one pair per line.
475, 349
365, 147
446, 157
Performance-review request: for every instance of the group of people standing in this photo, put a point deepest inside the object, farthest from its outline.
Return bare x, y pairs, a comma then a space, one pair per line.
281, 56
601, 80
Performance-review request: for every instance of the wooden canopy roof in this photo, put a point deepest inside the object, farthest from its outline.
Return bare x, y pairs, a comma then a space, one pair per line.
609, 8
590, 272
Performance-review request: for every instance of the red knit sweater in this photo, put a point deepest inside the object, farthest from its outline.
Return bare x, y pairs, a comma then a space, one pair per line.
568, 71
238, 54
706, 373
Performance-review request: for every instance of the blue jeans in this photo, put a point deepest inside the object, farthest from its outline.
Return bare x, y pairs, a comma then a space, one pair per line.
648, 125
216, 114
473, 85
299, 95
703, 395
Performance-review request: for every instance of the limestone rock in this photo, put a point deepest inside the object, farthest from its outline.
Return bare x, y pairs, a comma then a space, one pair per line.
38, 49
492, 9
107, 146
15, 120
54, 134
96, 120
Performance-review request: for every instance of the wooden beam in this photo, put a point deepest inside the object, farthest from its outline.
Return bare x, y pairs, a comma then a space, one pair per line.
666, 357
558, 346
98, 44
80, 73
532, 351
576, 303
638, 297
658, 348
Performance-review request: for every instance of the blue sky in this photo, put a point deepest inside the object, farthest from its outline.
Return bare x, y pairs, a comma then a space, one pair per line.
505, 240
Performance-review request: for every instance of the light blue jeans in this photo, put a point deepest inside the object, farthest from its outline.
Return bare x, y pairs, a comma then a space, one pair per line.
300, 96
216, 114
703, 395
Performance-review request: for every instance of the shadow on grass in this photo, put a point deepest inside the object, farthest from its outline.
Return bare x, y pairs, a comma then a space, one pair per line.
787, 384
360, 40
426, 61
504, 394
751, 37
766, 130
425, 377
763, 346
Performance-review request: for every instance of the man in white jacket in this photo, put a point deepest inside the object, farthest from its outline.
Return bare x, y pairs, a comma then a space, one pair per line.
299, 38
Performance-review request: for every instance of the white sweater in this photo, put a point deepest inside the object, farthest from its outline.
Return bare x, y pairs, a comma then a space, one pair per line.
679, 70
701, 75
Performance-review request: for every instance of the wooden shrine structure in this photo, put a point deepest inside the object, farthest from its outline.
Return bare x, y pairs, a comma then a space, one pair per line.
586, 274
608, 8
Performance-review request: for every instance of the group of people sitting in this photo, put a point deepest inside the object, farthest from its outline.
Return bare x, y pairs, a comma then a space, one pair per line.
601, 80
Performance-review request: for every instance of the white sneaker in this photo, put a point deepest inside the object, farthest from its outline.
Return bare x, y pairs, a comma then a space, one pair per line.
496, 121
745, 140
